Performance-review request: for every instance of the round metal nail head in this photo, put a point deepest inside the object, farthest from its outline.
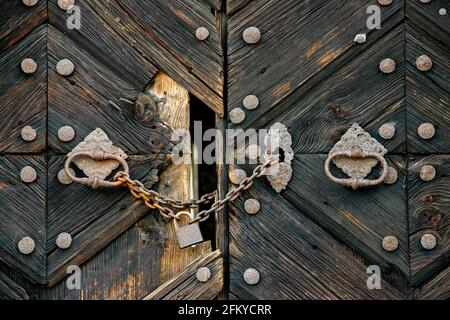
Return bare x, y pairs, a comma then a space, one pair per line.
251, 35
63, 177
428, 241
28, 133
424, 63
26, 245
30, 3
237, 115
390, 243
202, 33
65, 4
203, 274
28, 174
66, 133
426, 131
442, 11
28, 66
64, 240
385, 2
250, 102
391, 176
237, 175
427, 173
251, 276
252, 206
387, 65
425, 1
387, 131
65, 67
360, 38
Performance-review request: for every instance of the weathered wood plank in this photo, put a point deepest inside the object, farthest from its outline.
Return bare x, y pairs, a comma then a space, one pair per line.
185, 286
24, 97
22, 214
10, 290
438, 288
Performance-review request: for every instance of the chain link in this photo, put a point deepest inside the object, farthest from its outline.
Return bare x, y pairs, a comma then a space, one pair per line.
154, 200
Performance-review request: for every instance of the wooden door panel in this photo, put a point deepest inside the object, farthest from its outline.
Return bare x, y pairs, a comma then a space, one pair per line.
23, 214
24, 97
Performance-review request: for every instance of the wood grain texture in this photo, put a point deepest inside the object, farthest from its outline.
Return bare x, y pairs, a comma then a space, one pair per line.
296, 258
438, 288
10, 290
429, 205
185, 286
22, 214
24, 97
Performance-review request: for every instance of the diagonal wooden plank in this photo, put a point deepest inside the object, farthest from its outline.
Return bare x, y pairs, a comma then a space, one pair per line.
10, 290
429, 204
438, 288
185, 286
24, 97
295, 257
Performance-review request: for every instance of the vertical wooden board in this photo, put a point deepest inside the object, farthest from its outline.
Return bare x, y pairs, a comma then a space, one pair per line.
429, 206
22, 214
17, 20
24, 97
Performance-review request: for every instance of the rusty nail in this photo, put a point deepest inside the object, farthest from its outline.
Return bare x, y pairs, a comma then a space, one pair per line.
203, 274
252, 206
426, 131
64, 240
237, 115
28, 133
428, 241
65, 67
360, 38
251, 35
65, 4
387, 131
251, 276
66, 133
250, 102
253, 151
387, 65
390, 243
391, 176
28, 174
424, 63
28, 66
64, 178
30, 3
202, 33
385, 2
427, 173
26, 245
237, 175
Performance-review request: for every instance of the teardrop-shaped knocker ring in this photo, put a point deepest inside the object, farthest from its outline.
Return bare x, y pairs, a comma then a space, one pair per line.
95, 181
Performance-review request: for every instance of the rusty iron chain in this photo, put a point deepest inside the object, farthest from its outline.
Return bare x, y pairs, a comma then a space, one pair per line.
154, 200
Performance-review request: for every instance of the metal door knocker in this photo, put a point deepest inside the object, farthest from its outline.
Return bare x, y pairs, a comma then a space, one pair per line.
356, 154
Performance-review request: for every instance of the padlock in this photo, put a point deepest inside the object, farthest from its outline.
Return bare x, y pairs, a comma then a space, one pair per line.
187, 235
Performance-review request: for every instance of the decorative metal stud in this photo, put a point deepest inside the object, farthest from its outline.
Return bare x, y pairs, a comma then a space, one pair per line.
252, 206
385, 2
203, 274
387, 65
251, 35
237, 115
426, 131
251, 276
65, 67
250, 102
390, 243
30, 3
66, 133
442, 11
28, 174
28, 133
26, 245
28, 66
64, 240
427, 173
65, 4
391, 176
387, 131
202, 33
424, 63
360, 38
237, 175
253, 151
428, 241
64, 178
425, 1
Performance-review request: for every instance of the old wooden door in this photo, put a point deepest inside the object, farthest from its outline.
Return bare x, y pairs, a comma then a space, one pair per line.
316, 239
